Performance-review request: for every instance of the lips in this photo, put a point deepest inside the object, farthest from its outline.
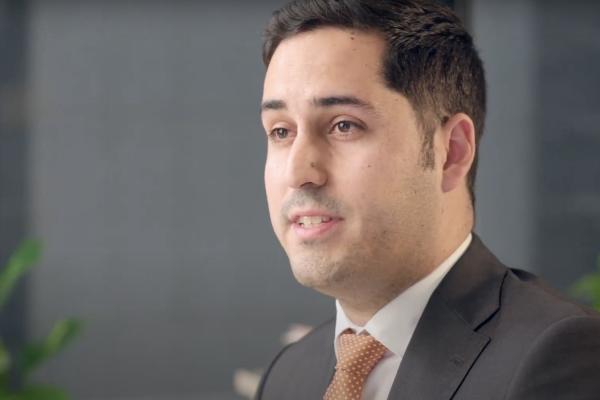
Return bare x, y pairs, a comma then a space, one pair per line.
312, 221
313, 224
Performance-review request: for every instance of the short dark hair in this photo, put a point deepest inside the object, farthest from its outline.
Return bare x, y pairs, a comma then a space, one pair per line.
431, 59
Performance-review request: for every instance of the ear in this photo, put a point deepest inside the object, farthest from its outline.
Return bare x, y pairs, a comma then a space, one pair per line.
460, 147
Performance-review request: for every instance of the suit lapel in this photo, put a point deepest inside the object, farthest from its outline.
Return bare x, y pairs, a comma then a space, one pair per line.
446, 342
320, 378
316, 369
437, 359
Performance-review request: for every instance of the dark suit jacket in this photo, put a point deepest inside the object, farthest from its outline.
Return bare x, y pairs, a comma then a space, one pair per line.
488, 332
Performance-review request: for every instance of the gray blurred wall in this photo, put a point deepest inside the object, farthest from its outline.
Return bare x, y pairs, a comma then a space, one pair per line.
539, 181
505, 35
146, 185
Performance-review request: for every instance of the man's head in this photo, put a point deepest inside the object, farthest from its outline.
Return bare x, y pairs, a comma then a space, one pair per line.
373, 111
430, 57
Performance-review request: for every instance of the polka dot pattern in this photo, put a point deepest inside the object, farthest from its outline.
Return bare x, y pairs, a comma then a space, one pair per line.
357, 356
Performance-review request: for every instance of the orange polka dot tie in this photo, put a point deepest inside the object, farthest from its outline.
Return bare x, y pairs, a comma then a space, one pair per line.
356, 357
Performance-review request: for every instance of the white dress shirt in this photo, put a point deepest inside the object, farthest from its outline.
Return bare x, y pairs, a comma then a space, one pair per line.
394, 324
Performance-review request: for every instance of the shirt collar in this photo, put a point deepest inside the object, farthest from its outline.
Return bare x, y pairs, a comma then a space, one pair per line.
394, 324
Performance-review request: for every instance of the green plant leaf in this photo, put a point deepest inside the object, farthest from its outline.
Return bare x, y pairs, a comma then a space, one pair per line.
59, 337
5, 364
25, 257
4, 359
588, 287
40, 392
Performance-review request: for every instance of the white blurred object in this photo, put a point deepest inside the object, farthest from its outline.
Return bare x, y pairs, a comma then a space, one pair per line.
245, 382
294, 333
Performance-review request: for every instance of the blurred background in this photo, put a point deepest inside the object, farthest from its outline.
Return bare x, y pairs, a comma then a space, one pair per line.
131, 146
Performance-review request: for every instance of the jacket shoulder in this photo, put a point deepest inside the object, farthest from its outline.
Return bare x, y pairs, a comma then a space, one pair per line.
562, 362
527, 296
543, 345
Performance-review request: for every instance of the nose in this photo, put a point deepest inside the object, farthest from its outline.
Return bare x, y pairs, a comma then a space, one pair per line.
306, 162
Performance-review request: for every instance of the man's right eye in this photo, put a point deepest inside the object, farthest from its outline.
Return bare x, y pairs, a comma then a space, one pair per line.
279, 134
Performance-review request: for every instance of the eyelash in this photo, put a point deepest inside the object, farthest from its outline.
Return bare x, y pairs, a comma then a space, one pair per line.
352, 125
273, 134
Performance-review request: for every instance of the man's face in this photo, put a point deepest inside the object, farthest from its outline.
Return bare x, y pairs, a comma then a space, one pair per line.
348, 197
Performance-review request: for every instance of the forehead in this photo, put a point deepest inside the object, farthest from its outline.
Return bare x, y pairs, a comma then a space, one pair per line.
323, 61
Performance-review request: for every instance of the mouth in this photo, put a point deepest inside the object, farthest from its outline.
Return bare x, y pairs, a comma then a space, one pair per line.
310, 222
314, 226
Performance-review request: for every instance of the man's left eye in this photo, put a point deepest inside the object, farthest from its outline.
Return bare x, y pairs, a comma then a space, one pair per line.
345, 126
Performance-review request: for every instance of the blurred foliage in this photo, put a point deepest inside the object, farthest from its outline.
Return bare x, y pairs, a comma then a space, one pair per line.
588, 287
28, 359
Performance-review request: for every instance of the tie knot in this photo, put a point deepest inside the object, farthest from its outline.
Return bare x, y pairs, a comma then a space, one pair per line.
358, 353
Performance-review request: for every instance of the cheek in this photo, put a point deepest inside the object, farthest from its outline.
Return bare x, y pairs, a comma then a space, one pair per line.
363, 183
274, 188
381, 170
379, 185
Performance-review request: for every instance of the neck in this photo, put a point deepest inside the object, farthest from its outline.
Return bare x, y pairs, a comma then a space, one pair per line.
360, 308
358, 314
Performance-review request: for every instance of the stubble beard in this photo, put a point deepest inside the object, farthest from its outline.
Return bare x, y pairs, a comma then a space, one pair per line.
372, 266
318, 269
362, 271
368, 271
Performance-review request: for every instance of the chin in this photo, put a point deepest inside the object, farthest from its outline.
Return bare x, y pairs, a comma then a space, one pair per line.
318, 274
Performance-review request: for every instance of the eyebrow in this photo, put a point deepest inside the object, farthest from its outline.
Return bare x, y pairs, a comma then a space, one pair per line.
342, 101
273, 105
325, 102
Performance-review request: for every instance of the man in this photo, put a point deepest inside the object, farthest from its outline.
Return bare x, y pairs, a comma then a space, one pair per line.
373, 112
